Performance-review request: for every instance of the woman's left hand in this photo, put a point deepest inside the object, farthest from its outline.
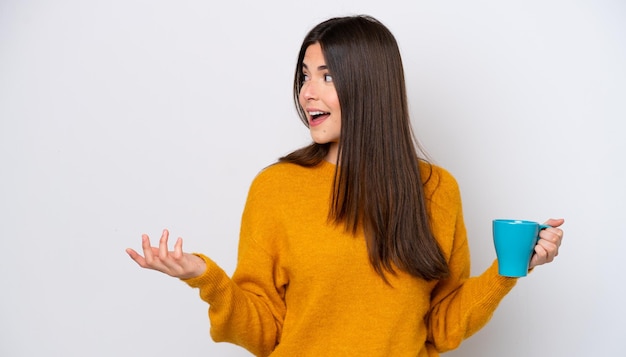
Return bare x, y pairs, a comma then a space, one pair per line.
547, 247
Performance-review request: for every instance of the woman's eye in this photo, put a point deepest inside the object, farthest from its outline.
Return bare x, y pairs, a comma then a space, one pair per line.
328, 78
305, 77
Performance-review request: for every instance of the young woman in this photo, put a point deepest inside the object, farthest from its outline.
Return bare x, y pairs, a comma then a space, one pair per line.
353, 245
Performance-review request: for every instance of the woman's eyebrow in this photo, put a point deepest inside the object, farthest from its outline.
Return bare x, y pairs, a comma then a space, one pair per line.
319, 68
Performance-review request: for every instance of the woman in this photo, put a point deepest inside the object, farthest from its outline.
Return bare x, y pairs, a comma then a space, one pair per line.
353, 245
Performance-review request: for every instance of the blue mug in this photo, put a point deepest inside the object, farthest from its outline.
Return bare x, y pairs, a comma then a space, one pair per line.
515, 242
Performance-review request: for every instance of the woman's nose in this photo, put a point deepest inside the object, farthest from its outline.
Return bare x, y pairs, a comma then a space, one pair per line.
309, 92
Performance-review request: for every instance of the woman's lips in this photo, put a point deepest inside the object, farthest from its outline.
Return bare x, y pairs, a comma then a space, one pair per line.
318, 119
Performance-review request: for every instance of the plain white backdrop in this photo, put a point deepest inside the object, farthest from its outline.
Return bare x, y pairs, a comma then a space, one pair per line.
119, 118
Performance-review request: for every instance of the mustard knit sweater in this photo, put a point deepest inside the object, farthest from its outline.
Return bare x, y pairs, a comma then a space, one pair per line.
304, 287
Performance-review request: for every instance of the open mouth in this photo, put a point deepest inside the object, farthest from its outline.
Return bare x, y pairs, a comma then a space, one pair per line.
318, 115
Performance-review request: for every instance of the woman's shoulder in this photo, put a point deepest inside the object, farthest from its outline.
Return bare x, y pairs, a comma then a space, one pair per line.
430, 171
286, 169
438, 181
282, 174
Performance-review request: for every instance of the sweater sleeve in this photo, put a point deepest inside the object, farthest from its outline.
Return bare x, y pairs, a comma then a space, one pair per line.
461, 305
247, 310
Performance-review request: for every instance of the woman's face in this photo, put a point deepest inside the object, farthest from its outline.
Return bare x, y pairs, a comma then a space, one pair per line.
319, 101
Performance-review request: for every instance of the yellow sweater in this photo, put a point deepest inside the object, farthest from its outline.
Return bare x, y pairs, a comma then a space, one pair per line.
303, 287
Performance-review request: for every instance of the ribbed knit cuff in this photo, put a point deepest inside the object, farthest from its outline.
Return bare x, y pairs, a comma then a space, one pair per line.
496, 286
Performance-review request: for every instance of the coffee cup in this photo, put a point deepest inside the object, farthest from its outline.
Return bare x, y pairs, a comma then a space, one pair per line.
515, 242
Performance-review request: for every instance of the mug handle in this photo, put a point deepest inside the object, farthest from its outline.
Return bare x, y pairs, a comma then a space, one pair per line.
541, 228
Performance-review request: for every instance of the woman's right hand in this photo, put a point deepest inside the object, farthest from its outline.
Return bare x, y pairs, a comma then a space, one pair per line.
174, 263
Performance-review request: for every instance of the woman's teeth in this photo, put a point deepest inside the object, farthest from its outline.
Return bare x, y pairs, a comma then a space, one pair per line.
315, 115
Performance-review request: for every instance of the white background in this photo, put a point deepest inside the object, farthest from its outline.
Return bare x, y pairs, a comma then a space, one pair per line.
119, 118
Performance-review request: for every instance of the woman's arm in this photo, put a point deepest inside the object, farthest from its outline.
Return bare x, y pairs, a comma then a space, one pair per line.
461, 305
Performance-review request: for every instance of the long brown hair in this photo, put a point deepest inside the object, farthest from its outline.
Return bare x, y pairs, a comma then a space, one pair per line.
377, 184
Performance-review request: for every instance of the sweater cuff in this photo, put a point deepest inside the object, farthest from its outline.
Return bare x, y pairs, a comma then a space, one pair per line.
497, 285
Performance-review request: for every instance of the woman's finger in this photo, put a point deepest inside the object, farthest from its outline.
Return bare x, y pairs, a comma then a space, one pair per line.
552, 235
178, 249
538, 257
136, 257
550, 250
147, 249
163, 252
